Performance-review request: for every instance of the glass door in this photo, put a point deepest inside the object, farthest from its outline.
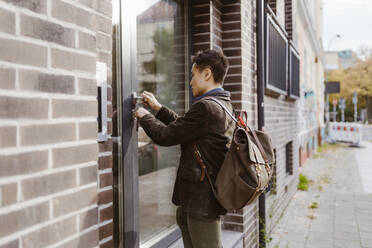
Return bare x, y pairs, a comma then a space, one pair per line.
156, 55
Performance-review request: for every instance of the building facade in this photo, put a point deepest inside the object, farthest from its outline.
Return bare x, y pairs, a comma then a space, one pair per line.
77, 171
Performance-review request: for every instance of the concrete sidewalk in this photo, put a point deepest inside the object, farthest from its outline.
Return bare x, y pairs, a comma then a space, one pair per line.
342, 191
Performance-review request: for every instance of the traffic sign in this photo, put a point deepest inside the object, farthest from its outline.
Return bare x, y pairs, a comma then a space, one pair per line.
355, 98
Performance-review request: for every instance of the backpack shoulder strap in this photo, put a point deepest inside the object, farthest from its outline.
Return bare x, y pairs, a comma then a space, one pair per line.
248, 127
223, 106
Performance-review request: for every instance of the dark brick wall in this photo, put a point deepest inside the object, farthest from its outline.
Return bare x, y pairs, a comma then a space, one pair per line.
55, 179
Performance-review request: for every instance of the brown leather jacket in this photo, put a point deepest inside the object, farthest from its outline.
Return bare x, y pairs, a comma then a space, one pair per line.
207, 124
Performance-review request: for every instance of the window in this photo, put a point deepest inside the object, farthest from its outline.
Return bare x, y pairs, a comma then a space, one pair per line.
294, 73
161, 65
289, 158
276, 57
153, 57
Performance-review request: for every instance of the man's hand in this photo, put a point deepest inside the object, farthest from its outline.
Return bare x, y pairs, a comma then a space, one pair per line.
150, 100
141, 112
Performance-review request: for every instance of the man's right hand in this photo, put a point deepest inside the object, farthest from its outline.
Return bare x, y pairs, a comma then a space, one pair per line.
150, 100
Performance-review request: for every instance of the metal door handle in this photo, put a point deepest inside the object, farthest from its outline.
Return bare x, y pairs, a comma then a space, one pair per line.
135, 98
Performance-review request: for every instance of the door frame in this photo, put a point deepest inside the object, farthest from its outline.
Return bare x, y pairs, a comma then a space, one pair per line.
128, 173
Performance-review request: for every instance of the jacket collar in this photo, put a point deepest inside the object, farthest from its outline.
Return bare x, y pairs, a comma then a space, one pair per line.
217, 92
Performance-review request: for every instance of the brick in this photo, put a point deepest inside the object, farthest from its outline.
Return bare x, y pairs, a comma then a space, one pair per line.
105, 57
8, 136
88, 130
88, 174
109, 93
107, 244
104, 24
87, 87
87, 41
105, 180
43, 82
109, 110
105, 197
231, 18
88, 218
11, 244
105, 162
7, 21
23, 163
48, 184
104, 42
20, 52
74, 201
109, 127
109, 76
231, 35
38, 6
70, 13
51, 234
89, 3
105, 146
106, 230
106, 214
7, 76
89, 239
74, 108
23, 218
8, 194
231, 8
73, 61
47, 134
73, 155
105, 7
46, 30
231, 43
30, 108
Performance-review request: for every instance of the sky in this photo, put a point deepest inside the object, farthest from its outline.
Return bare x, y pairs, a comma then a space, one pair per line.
352, 19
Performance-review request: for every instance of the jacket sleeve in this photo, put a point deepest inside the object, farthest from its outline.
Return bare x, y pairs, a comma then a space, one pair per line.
184, 129
166, 115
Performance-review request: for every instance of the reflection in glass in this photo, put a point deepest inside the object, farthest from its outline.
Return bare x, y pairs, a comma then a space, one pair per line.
161, 70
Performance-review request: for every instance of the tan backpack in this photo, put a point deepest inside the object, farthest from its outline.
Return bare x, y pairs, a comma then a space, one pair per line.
246, 170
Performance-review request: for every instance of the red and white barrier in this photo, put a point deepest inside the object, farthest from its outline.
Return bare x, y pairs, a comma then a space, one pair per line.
346, 132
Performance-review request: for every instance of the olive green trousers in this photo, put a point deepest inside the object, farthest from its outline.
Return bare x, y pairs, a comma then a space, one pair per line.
199, 232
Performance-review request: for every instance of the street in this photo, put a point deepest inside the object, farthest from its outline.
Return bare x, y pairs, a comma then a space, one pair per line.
336, 211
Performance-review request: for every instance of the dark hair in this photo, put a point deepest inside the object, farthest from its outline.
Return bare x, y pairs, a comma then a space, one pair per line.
215, 60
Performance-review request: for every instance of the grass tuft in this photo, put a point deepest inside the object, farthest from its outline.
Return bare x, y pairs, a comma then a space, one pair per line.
303, 183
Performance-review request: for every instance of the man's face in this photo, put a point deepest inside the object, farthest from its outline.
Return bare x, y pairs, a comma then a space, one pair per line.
197, 83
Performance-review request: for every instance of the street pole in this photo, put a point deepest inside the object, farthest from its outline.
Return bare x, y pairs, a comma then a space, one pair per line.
327, 109
334, 109
355, 101
342, 107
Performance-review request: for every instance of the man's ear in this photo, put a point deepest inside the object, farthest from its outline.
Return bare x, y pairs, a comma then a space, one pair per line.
207, 74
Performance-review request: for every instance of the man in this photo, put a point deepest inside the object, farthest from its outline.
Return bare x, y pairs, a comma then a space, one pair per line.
208, 126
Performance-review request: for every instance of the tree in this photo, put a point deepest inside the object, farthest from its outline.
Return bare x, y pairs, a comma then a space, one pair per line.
357, 78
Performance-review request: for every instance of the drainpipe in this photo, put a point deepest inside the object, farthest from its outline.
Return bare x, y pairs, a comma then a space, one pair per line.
260, 28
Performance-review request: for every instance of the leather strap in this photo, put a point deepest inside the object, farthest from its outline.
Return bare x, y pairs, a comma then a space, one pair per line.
204, 168
200, 161
263, 153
